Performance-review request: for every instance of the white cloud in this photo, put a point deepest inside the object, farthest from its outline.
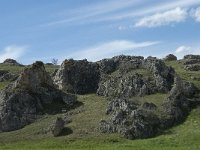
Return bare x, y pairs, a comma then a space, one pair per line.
196, 14
185, 50
110, 49
160, 19
152, 9
12, 51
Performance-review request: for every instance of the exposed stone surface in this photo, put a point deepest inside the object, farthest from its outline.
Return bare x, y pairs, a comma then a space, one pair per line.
170, 57
192, 57
30, 96
179, 103
7, 76
129, 75
192, 62
130, 120
77, 76
193, 67
58, 127
12, 62
134, 121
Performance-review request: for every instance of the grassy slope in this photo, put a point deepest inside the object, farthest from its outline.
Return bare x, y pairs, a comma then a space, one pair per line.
86, 136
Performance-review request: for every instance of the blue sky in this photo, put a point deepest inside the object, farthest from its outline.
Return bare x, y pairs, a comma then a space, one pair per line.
33, 30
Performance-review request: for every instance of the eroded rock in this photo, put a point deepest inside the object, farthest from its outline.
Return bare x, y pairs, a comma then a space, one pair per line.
58, 127
30, 96
78, 77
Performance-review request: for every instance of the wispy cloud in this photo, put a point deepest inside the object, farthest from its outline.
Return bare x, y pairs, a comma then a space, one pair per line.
13, 52
110, 49
196, 14
91, 11
160, 19
118, 10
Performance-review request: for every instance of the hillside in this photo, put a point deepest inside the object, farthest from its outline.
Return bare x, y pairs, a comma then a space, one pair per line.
83, 132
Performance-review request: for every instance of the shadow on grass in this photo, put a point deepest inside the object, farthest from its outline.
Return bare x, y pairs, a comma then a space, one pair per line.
66, 131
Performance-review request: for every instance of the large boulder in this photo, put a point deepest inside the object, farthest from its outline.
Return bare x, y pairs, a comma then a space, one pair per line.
78, 77
30, 96
58, 127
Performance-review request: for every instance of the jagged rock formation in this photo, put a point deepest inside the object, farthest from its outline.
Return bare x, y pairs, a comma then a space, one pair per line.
178, 104
134, 76
192, 62
170, 57
31, 95
135, 121
7, 76
78, 77
12, 62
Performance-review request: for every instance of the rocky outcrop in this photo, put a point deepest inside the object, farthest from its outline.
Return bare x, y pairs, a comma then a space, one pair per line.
179, 103
7, 76
78, 77
192, 62
30, 96
12, 62
134, 76
58, 127
134, 120
130, 120
191, 57
170, 57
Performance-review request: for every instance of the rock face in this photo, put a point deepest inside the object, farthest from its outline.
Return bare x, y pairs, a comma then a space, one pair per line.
192, 62
170, 57
134, 76
179, 103
7, 76
30, 96
134, 121
78, 77
58, 127
12, 62
130, 120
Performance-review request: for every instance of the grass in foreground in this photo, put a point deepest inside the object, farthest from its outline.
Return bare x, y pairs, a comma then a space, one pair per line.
86, 136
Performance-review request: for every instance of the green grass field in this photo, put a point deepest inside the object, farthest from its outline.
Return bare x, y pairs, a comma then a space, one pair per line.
83, 134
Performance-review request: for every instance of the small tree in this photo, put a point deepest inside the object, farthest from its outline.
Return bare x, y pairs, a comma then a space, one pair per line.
54, 61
